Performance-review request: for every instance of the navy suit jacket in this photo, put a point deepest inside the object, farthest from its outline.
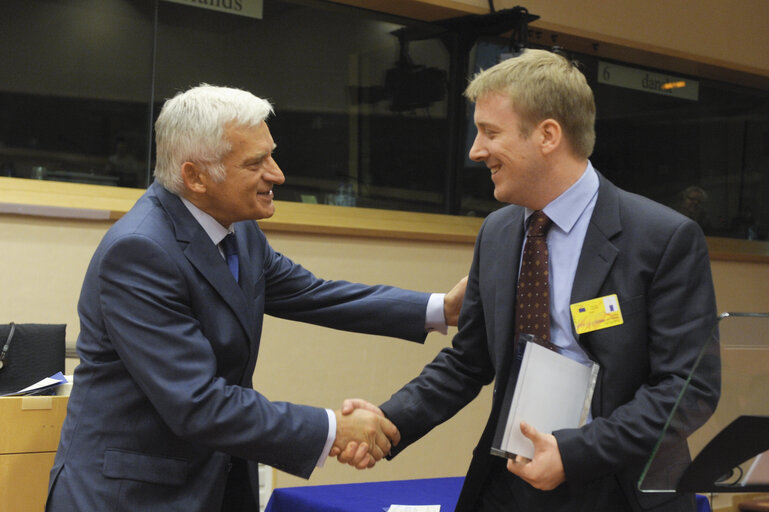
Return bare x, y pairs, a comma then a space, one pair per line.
656, 261
168, 346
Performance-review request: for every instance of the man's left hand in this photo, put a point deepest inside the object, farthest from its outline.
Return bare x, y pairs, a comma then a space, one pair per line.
545, 471
452, 302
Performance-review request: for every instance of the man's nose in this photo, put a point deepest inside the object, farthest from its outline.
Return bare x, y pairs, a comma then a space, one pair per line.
477, 152
274, 174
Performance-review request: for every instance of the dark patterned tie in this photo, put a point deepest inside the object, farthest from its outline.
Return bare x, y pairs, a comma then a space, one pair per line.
532, 303
230, 248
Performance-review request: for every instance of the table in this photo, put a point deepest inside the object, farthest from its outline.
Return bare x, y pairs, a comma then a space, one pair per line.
29, 435
377, 496
367, 497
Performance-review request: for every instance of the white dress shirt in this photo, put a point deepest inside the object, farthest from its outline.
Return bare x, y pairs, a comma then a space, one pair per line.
434, 317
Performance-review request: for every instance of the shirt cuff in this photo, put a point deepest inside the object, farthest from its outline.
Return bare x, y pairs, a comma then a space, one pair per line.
329, 439
434, 317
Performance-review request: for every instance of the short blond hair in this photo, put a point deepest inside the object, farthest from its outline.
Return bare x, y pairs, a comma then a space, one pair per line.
543, 85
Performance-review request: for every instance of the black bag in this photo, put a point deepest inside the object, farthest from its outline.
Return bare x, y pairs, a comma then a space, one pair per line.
29, 353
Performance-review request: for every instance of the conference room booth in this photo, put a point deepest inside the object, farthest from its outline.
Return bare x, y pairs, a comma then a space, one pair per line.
372, 134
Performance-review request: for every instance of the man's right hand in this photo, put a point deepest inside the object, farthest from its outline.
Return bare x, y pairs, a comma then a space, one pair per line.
364, 435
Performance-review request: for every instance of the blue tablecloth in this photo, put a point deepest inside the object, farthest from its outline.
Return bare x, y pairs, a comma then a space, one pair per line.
367, 497
377, 496
703, 504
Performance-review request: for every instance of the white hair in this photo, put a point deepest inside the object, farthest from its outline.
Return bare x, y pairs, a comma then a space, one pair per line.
190, 128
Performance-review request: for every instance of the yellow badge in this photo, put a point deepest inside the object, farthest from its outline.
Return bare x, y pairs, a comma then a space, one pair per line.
596, 314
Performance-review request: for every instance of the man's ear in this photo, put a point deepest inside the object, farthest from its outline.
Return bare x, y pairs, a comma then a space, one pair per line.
551, 135
194, 178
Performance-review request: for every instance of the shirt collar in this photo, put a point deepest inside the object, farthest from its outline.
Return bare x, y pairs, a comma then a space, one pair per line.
215, 231
566, 209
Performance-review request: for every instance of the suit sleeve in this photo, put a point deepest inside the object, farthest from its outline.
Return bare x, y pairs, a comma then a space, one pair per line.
144, 300
452, 379
677, 319
294, 293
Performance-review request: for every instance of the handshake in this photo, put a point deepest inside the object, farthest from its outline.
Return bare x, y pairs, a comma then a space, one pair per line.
363, 434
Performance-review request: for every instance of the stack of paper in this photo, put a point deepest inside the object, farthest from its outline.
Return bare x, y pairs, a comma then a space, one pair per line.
552, 392
42, 386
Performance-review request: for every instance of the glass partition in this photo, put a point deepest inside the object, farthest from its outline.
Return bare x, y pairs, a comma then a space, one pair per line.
726, 447
349, 129
360, 116
363, 111
74, 91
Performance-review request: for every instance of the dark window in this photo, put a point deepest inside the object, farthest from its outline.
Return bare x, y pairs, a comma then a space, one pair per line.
74, 90
360, 119
362, 112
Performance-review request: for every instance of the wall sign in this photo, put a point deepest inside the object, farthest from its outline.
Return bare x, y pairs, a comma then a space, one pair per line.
647, 81
248, 8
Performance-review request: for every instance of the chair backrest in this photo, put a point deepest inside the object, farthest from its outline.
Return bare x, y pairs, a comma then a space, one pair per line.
31, 353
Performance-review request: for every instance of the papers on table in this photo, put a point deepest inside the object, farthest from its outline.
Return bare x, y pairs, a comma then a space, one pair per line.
551, 392
413, 508
41, 387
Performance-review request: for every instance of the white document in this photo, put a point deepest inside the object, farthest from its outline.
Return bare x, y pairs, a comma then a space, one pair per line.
47, 383
414, 508
552, 392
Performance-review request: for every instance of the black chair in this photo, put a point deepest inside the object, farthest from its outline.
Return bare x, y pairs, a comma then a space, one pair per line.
30, 353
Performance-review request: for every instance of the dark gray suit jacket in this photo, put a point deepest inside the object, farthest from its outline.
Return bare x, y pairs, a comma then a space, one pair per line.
168, 346
656, 261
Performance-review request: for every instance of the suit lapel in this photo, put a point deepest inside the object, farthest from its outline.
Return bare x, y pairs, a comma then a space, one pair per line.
506, 277
598, 252
507, 243
251, 267
204, 255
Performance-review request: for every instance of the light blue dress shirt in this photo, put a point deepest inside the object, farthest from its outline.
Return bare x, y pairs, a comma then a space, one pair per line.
570, 213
